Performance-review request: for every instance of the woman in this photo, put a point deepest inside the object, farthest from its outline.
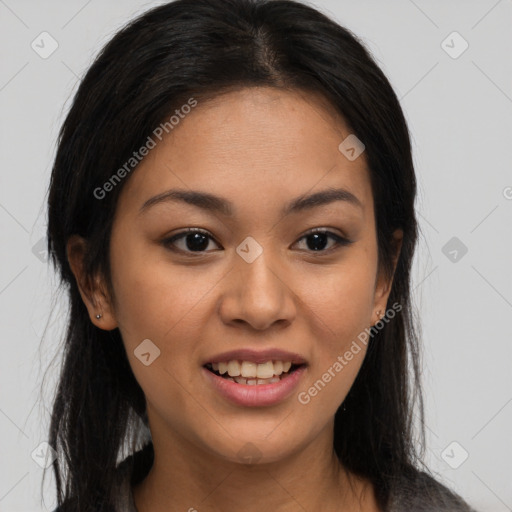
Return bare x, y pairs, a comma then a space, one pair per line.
232, 212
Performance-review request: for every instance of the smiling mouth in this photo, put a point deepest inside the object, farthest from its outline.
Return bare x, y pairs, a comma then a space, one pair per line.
253, 374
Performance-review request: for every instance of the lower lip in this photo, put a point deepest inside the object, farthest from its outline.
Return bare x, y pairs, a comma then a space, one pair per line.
258, 395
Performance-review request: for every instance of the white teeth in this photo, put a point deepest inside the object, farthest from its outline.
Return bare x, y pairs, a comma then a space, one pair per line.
265, 370
241, 371
278, 367
248, 369
253, 382
234, 368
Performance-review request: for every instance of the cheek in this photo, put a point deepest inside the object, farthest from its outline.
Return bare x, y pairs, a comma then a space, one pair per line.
169, 305
341, 299
154, 297
164, 304
340, 307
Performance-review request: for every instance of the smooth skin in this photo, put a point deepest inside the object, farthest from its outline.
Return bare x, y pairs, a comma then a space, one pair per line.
258, 148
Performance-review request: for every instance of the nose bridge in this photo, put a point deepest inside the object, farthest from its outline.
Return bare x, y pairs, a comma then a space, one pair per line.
257, 293
259, 278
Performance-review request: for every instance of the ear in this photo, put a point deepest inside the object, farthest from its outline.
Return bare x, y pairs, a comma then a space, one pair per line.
93, 291
383, 283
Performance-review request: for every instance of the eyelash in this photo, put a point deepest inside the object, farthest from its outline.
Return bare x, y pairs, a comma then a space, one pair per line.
340, 241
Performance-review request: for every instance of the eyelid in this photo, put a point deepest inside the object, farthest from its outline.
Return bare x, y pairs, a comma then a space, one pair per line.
167, 241
340, 240
327, 231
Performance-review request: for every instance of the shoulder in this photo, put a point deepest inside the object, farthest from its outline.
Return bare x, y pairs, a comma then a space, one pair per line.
419, 491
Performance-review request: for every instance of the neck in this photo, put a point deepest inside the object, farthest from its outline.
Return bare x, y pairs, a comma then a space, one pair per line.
185, 478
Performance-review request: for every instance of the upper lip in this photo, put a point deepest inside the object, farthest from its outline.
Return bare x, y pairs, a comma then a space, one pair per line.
257, 356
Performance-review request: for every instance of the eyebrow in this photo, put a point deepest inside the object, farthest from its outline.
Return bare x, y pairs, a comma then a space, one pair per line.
213, 203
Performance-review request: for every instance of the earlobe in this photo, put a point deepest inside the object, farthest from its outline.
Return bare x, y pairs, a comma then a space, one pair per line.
92, 290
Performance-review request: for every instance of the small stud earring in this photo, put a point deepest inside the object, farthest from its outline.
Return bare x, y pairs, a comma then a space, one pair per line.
98, 316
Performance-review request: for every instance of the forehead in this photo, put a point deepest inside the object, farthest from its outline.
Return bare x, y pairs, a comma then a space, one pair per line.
252, 145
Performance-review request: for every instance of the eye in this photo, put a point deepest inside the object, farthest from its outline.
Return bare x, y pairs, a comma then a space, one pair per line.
195, 240
318, 239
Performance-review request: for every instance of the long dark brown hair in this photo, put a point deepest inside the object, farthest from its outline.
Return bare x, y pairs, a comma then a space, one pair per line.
154, 65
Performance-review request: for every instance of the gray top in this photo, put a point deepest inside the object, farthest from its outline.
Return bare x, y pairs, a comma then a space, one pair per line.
418, 492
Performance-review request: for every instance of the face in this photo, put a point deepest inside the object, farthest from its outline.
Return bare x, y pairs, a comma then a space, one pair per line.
252, 276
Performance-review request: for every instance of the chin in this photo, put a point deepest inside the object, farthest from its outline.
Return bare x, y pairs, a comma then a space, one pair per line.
254, 448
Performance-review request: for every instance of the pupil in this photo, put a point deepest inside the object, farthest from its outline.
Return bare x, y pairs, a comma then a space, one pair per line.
320, 240
200, 242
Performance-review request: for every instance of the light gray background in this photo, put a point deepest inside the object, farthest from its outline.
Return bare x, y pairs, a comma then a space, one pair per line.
460, 115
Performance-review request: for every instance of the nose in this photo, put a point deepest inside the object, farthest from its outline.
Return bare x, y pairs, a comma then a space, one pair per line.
258, 294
